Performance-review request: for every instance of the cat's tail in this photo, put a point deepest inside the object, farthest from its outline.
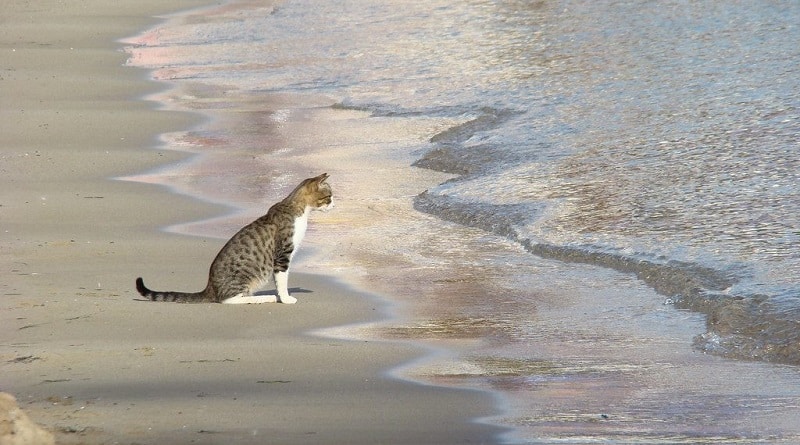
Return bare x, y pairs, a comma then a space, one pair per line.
177, 297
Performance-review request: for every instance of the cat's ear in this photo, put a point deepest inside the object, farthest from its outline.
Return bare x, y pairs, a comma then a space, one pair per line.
321, 178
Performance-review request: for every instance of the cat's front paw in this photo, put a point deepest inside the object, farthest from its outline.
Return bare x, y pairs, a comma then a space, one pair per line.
288, 300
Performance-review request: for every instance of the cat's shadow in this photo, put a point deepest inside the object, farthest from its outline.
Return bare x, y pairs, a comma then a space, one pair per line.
292, 290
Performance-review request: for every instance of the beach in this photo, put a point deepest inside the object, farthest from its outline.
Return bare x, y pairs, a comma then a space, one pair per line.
91, 362
551, 224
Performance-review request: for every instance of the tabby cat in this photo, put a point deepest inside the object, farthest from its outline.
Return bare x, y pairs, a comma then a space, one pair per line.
261, 250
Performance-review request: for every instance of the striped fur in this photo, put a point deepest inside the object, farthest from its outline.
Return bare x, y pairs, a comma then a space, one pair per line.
261, 250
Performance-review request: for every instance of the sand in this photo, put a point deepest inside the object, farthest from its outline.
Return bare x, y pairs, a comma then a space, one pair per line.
91, 362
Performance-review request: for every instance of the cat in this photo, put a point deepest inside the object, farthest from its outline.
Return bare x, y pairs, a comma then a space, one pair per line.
261, 250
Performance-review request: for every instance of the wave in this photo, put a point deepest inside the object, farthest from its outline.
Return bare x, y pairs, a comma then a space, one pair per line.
741, 326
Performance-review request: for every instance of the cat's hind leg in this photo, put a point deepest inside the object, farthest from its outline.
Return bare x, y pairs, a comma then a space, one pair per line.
250, 299
244, 293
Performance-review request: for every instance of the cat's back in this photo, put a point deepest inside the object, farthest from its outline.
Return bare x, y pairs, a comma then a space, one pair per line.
263, 232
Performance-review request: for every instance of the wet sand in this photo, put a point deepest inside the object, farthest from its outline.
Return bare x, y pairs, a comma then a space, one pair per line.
91, 362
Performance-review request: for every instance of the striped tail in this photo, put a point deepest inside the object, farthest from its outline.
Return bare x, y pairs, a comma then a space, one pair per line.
177, 297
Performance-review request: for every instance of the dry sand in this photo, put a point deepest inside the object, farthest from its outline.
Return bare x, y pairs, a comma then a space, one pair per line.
90, 362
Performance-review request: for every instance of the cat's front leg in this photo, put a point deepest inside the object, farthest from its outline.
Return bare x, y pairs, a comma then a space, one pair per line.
282, 286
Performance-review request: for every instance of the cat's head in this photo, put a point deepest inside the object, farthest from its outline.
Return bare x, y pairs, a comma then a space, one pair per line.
315, 193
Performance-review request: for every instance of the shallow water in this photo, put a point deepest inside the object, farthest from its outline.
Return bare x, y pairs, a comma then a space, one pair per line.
609, 191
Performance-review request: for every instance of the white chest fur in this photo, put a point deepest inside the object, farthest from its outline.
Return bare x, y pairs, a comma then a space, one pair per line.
300, 226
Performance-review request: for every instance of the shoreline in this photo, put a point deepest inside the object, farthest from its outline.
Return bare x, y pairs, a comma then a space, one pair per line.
606, 361
92, 364
560, 345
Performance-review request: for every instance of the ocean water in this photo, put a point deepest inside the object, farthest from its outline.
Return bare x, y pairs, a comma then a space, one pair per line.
591, 209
